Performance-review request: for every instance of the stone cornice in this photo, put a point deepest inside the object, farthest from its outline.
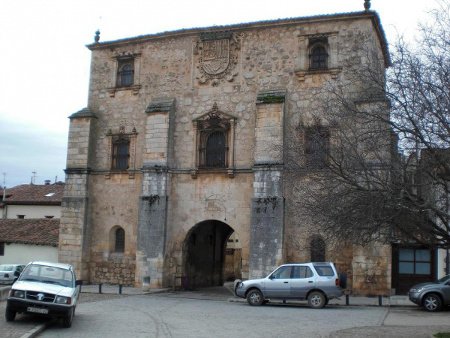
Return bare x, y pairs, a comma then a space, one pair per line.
372, 15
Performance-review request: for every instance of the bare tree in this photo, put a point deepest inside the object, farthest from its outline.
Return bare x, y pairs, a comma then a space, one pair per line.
386, 173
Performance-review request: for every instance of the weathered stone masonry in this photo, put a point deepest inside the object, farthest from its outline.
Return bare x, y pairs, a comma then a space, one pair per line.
248, 87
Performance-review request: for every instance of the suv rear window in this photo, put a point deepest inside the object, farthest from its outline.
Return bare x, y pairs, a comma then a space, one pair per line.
324, 270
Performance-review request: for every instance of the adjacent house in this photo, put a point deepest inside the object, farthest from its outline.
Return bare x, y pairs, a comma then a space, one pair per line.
29, 226
33, 201
25, 240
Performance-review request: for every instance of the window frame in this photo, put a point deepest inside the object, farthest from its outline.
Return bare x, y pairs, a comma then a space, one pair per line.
316, 153
318, 61
415, 261
122, 74
121, 136
116, 158
119, 241
206, 126
207, 156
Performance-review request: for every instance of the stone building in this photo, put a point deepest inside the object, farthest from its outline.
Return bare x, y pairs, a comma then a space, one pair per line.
175, 170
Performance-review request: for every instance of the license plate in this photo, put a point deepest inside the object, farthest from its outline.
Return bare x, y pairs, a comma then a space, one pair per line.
37, 310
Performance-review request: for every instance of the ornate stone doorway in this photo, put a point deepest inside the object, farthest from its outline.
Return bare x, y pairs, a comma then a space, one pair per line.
207, 260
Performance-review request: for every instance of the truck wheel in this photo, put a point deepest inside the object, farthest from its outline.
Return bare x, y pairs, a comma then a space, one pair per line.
255, 297
432, 302
316, 300
67, 320
10, 315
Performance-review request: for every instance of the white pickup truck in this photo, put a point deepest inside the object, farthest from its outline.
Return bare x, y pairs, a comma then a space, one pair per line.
44, 288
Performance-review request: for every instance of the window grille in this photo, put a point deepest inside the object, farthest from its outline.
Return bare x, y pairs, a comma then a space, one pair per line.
215, 150
319, 57
121, 154
125, 73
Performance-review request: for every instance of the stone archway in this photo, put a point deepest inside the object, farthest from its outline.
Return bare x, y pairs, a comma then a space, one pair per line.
204, 253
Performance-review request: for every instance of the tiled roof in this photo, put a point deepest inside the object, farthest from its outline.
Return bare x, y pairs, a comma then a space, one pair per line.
33, 194
30, 231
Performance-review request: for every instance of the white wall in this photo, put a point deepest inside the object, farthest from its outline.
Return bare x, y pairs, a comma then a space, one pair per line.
441, 261
33, 211
25, 253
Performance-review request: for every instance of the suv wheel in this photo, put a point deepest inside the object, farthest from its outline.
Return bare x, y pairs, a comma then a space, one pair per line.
10, 315
432, 302
255, 297
316, 300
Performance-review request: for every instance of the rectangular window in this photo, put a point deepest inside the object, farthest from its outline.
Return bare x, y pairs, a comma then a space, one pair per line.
121, 154
125, 72
414, 261
317, 144
2, 248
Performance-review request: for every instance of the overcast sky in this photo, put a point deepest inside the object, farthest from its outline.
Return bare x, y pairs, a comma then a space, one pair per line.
45, 65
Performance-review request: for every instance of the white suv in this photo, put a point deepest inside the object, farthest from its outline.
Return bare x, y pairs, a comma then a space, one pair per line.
315, 282
43, 288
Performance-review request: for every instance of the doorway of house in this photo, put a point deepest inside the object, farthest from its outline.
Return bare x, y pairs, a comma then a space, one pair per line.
211, 254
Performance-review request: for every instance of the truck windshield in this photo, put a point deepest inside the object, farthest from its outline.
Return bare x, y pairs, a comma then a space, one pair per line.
47, 274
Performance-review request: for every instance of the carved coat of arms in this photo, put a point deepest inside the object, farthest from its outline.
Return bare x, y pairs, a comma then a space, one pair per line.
217, 56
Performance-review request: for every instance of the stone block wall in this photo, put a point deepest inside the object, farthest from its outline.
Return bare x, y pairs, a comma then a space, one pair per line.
372, 270
114, 270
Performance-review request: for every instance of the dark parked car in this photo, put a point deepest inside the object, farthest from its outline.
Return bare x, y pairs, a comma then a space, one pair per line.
315, 282
8, 272
432, 295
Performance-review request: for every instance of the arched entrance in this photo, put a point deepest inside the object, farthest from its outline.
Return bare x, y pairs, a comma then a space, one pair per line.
204, 252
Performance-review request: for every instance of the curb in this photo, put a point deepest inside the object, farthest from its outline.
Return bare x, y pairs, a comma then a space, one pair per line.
36, 331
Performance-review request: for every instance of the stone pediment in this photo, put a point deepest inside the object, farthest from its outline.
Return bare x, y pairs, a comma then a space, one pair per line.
214, 119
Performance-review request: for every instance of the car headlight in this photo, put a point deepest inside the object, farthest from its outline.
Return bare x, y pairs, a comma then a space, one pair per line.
414, 290
62, 300
17, 293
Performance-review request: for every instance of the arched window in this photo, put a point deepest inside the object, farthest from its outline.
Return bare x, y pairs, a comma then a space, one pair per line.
119, 240
125, 73
317, 249
318, 57
215, 150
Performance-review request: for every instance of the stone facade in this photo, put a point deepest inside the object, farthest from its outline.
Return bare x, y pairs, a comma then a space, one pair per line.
252, 85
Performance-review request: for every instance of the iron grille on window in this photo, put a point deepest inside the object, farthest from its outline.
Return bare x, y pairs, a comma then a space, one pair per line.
215, 151
121, 154
319, 57
120, 240
125, 73
317, 140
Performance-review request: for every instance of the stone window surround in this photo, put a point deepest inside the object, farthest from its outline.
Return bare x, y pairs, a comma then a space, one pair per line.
131, 136
135, 88
306, 42
228, 127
